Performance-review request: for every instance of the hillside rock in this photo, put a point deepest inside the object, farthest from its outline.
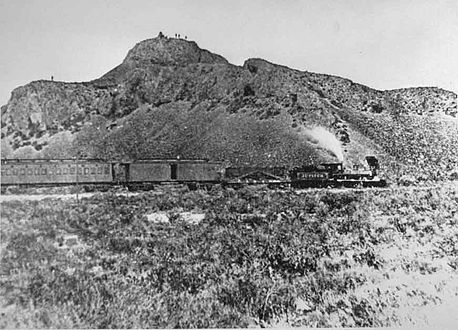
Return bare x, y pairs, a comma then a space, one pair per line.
170, 98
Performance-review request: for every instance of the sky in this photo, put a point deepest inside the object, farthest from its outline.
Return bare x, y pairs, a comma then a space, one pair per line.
384, 44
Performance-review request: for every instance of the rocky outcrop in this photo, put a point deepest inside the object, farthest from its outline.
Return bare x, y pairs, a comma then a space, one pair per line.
168, 51
424, 100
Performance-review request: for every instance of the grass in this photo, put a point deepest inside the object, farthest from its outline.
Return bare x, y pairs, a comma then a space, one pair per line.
259, 258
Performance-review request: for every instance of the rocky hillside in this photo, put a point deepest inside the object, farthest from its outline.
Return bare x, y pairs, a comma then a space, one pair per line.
170, 98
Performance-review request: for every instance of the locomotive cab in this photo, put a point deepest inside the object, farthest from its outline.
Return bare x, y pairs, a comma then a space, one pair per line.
373, 165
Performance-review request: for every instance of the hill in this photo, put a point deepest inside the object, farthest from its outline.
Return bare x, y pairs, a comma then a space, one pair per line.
170, 98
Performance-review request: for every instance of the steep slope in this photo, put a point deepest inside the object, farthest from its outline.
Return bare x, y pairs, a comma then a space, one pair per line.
170, 98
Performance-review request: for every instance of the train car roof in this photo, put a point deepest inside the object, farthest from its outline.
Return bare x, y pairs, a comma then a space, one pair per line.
173, 160
43, 160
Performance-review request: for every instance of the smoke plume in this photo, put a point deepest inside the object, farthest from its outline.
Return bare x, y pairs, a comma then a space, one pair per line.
325, 139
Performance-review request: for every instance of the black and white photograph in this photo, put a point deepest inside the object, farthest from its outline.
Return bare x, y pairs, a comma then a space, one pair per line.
229, 164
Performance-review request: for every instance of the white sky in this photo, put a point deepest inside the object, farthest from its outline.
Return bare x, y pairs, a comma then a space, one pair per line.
384, 44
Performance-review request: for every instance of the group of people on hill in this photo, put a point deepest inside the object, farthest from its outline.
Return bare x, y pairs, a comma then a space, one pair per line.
177, 36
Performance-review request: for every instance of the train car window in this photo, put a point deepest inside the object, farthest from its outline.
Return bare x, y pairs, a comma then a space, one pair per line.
36, 171
44, 171
173, 171
29, 171
58, 171
107, 169
100, 170
72, 170
7, 172
86, 170
15, 171
22, 171
65, 170
92, 170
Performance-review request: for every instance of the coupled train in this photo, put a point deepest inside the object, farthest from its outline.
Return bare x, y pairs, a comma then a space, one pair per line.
150, 172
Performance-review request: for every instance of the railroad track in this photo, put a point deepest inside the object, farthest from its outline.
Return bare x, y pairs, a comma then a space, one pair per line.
69, 196
452, 184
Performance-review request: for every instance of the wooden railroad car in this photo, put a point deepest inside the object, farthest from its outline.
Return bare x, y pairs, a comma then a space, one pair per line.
54, 172
173, 170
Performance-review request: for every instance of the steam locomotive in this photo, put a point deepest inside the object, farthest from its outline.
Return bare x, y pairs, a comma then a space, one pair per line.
193, 172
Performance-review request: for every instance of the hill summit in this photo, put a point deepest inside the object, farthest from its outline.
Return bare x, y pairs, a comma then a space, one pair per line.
170, 98
171, 51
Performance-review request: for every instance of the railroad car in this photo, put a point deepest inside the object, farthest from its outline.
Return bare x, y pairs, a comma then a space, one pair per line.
148, 171
156, 171
54, 172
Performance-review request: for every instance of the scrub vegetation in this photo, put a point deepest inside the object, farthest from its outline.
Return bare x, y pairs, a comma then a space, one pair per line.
259, 258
